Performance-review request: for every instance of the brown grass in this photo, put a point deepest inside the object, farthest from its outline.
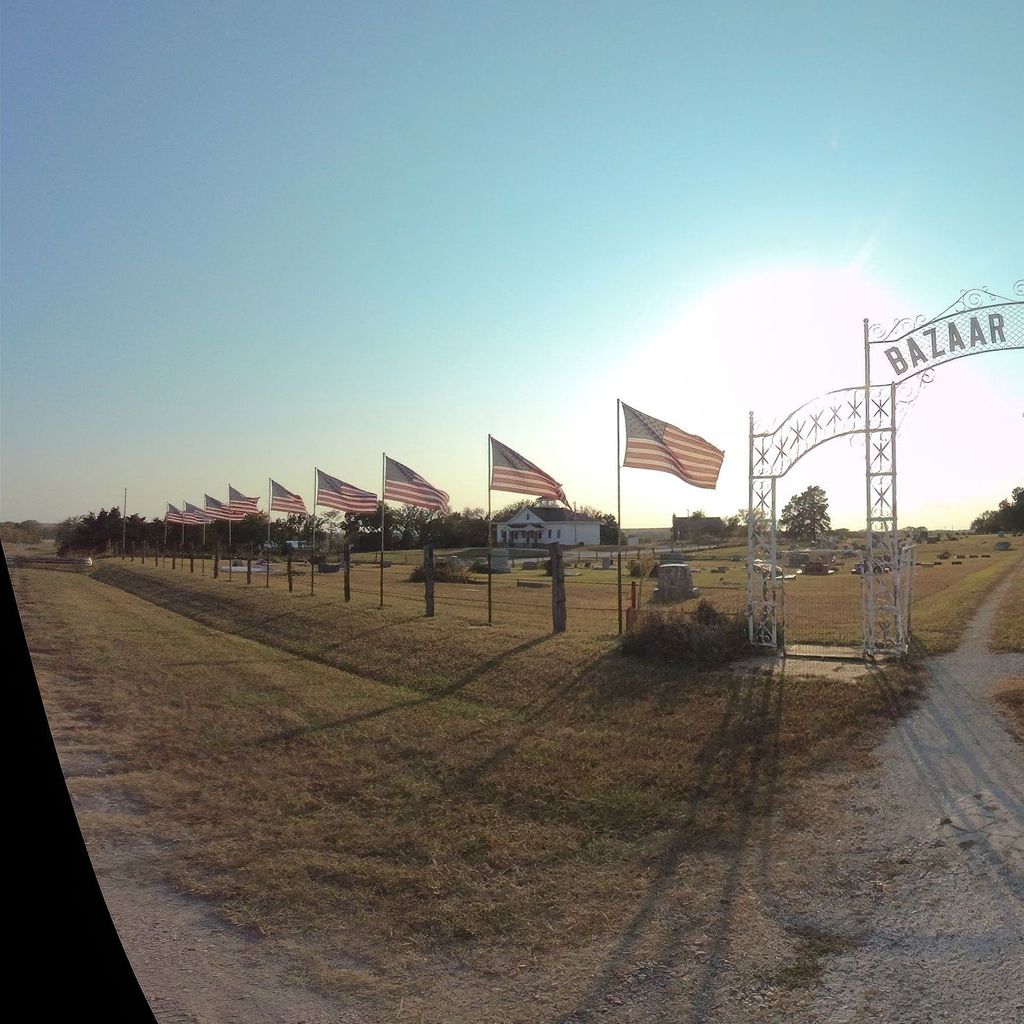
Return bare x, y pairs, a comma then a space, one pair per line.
1008, 628
382, 786
1009, 697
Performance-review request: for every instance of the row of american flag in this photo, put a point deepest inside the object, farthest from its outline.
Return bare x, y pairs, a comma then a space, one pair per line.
650, 444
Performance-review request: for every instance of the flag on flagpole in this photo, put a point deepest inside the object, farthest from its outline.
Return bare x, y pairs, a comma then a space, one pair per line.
216, 509
174, 514
334, 493
194, 515
240, 505
282, 500
402, 484
511, 472
654, 444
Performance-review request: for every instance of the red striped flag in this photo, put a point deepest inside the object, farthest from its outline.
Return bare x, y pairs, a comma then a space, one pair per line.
654, 444
282, 500
511, 472
402, 484
174, 514
194, 514
216, 509
240, 505
334, 493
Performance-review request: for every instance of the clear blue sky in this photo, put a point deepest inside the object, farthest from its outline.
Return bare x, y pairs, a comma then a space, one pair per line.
242, 239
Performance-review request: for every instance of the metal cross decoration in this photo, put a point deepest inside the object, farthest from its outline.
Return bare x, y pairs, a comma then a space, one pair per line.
978, 321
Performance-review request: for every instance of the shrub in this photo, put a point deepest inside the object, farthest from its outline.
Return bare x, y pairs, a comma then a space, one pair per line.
703, 638
443, 573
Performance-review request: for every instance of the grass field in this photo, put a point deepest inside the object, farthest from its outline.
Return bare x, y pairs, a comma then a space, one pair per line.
385, 791
816, 609
1008, 629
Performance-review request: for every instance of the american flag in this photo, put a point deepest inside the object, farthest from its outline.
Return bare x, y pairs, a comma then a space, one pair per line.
216, 509
241, 505
511, 472
174, 514
402, 484
194, 514
655, 444
335, 493
282, 500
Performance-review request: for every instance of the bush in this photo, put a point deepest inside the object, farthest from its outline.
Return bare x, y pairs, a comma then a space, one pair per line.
443, 573
703, 638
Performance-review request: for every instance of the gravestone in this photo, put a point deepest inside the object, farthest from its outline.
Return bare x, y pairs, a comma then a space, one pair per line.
606, 563
499, 560
675, 583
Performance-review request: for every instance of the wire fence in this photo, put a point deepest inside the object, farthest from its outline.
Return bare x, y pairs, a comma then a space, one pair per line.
591, 598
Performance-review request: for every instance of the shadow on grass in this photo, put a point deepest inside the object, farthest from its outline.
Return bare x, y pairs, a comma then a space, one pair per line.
753, 711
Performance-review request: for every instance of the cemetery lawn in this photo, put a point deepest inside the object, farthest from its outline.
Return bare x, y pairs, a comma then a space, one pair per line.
394, 798
1008, 628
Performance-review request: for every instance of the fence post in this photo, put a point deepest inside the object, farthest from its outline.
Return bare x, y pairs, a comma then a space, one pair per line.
289, 570
248, 570
631, 610
132, 559
428, 578
557, 589
268, 570
312, 570
216, 560
174, 559
192, 559
231, 561
348, 577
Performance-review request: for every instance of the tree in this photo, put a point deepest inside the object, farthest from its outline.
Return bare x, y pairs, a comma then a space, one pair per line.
1009, 515
806, 515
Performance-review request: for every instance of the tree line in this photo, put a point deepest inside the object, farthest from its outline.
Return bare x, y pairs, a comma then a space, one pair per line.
404, 527
1008, 518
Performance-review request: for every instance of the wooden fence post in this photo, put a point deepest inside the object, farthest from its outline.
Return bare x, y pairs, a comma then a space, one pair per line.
289, 570
312, 570
557, 589
347, 550
192, 559
248, 570
174, 559
428, 578
216, 560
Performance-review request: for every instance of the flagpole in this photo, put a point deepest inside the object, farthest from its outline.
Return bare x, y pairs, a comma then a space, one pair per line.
618, 489
490, 564
383, 484
312, 518
168, 504
229, 518
270, 504
182, 524
124, 518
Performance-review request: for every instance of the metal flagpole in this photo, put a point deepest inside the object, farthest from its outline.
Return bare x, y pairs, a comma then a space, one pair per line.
270, 502
312, 517
124, 518
229, 517
183, 524
618, 488
168, 504
383, 483
490, 576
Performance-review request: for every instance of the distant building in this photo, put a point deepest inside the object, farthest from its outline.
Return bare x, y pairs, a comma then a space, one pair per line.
545, 523
697, 528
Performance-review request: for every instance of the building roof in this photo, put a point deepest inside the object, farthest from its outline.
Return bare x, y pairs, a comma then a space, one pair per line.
550, 514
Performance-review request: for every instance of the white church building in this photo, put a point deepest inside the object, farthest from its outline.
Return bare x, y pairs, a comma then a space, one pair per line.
546, 523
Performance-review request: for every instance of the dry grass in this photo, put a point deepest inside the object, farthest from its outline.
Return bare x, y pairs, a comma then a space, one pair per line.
1009, 696
380, 786
1008, 628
